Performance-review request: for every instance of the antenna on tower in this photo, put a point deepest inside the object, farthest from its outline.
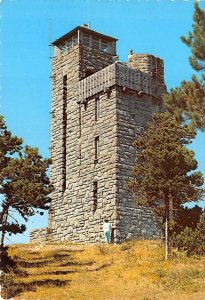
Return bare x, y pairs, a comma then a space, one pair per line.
51, 72
50, 46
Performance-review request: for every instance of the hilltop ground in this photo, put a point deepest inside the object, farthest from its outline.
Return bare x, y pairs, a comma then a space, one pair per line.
135, 270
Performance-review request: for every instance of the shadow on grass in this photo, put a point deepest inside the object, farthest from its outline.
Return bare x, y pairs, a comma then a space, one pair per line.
10, 267
61, 256
71, 263
34, 264
16, 289
59, 272
71, 250
100, 267
47, 282
76, 250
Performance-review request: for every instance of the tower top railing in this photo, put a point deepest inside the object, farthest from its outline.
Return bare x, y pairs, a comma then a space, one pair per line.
82, 35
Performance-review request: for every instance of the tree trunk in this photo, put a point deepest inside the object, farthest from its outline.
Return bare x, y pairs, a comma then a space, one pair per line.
3, 222
166, 239
170, 224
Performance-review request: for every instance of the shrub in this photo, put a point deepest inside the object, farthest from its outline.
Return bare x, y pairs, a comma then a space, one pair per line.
190, 240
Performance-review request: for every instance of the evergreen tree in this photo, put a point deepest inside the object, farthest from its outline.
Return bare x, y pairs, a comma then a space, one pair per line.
196, 40
192, 240
164, 176
187, 217
24, 185
187, 102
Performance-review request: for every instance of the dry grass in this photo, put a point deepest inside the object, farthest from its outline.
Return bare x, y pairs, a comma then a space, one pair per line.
134, 270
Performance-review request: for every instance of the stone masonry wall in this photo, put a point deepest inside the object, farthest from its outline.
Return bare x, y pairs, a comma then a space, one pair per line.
133, 114
76, 214
81, 221
66, 64
39, 236
71, 215
149, 64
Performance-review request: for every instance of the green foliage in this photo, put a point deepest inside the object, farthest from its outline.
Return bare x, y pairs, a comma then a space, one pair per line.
187, 102
196, 40
164, 175
201, 224
7, 264
187, 217
164, 166
24, 183
8, 145
191, 240
14, 228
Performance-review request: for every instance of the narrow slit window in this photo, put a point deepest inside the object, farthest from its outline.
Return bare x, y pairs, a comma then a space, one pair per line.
80, 120
97, 151
64, 132
65, 88
95, 195
97, 108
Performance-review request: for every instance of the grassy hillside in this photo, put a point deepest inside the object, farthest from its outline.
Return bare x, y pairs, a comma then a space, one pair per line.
134, 270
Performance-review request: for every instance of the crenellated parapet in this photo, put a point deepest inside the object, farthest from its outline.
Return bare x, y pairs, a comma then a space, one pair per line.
122, 75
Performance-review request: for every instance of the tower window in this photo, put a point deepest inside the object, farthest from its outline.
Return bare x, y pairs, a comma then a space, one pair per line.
95, 195
96, 148
65, 88
64, 132
86, 40
104, 46
95, 43
97, 108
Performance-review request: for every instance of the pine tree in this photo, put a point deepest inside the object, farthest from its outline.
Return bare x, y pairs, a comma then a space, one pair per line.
196, 40
164, 176
24, 184
187, 102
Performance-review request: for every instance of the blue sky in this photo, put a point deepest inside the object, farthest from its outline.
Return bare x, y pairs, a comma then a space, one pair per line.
146, 26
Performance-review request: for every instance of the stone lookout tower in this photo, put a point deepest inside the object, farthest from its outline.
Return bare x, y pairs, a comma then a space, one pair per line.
99, 107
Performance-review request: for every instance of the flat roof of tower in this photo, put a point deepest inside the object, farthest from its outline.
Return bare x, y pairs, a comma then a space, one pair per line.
83, 29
